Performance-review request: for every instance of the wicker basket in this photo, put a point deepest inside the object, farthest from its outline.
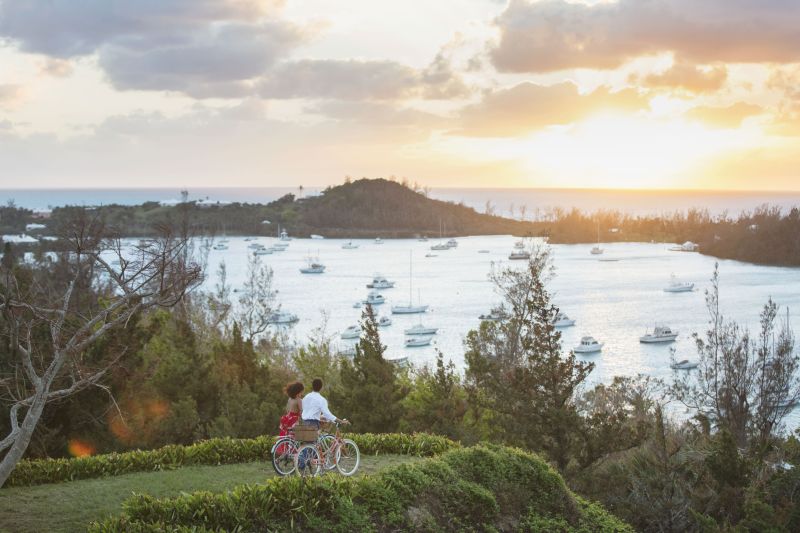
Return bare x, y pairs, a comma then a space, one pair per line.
306, 433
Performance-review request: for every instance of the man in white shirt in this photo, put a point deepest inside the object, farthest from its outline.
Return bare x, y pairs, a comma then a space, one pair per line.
315, 406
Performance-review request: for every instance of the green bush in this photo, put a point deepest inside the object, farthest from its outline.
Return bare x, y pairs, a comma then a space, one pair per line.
207, 452
468, 489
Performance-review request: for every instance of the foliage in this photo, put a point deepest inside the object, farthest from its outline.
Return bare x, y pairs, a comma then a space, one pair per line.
474, 489
371, 393
516, 368
207, 452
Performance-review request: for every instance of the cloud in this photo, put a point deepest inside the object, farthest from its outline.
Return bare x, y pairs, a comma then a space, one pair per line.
9, 93
550, 35
687, 77
376, 113
204, 48
360, 80
527, 107
58, 68
728, 117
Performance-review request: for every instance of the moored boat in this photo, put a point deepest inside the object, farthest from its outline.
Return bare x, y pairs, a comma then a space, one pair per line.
588, 344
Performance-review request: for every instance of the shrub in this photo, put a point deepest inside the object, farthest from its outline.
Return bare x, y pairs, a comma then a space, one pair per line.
208, 452
468, 489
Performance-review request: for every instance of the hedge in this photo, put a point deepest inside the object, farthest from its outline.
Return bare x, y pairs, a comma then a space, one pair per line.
207, 452
483, 488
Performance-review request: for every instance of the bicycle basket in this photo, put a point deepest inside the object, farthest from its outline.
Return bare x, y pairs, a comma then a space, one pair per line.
306, 433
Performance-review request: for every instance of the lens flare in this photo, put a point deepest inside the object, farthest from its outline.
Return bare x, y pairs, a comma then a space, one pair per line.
80, 448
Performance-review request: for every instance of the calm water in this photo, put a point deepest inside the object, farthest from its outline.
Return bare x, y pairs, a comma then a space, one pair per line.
616, 302
502, 200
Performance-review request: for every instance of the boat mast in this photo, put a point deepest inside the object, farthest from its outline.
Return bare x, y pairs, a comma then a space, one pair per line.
410, 279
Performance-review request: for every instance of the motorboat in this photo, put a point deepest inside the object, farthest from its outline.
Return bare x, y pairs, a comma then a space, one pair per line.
220, 246
255, 246
563, 321
440, 246
588, 344
282, 317
451, 243
313, 267
683, 365
494, 315
414, 342
284, 236
315, 236
263, 251
349, 246
375, 298
378, 240
596, 250
420, 329
384, 321
483, 251
678, 286
380, 282
660, 334
517, 255
400, 362
352, 332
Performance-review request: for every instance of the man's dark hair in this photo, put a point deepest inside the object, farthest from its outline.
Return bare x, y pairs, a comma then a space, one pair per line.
316, 385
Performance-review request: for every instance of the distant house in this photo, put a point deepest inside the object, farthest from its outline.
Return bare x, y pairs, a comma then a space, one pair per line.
206, 202
41, 213
34, 226
19, 239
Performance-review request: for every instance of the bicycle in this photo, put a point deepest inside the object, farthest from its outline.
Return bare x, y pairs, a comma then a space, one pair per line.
284, 452
326, 454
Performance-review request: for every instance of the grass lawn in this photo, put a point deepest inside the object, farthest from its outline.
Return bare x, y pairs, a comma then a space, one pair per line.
71, 506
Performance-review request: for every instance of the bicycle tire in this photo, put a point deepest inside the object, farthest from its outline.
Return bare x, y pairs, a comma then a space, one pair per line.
348, 457
283, 462
308, 461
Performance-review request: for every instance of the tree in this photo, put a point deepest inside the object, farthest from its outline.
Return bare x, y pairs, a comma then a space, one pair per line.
371, 392
516, 368
744, 385
437, 401
256, 301
49, 322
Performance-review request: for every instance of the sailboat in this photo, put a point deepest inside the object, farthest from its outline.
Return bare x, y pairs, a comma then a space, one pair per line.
596, 250
441, 245
410, 308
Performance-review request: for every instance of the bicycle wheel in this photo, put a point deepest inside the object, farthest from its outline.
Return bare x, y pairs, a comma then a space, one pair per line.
326, 445
283, 454
347, 458
308, 461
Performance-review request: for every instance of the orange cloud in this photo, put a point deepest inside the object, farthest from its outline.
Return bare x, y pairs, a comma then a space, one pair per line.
527, 107
688, 77
724, 117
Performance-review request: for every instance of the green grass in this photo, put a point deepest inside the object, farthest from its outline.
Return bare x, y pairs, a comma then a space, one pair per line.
71, 506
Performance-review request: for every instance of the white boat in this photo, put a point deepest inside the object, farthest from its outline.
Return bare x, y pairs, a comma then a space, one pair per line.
563, 321
378, 240
431, 255
384, 321
220, 246
263, 251
401, 362
517, 255
483, 251
375, 298
284, 236
352, 332
410, 308
678, 286
313, 267
440, 246
596, 250
349, 246
315, 236
451, 243
422, 239
683, 365
255, 246
588, 345
660, 334
419, 329
413, 342
380, 282
282, 317
494, 315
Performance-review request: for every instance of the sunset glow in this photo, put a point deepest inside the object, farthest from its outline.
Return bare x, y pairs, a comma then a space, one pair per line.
482, 93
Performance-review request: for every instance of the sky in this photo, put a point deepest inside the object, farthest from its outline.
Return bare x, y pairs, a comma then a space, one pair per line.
447, 93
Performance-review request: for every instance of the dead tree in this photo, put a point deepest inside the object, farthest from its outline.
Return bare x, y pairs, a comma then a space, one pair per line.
53, 311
